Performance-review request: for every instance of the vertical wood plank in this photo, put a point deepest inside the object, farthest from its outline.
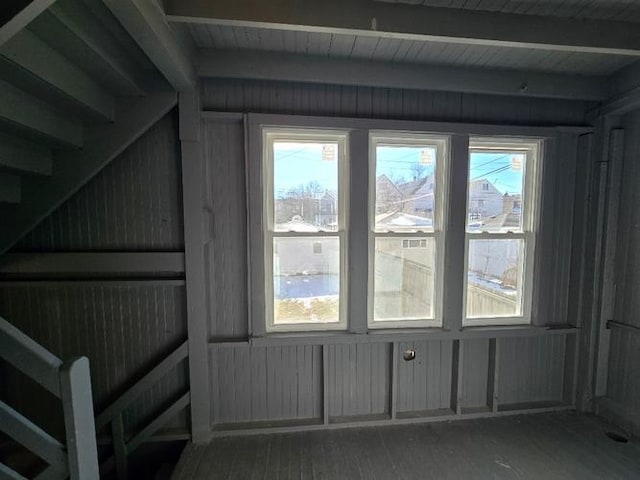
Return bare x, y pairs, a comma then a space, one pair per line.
395, 353
492, 374
193, 203
255, 223
457, 369
531, 369
475, 373
325, 384
119, 447
607, 303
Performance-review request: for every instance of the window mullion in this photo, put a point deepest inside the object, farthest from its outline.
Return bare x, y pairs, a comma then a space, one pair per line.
358, 242
455, 221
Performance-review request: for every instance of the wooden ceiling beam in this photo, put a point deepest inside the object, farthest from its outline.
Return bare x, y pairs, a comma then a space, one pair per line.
147, 25
27, 115
303, 68
24, 157
22, 18
415, 22
45, 72
81, 36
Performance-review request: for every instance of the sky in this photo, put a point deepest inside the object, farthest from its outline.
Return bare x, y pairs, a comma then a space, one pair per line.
297, 163
501, 169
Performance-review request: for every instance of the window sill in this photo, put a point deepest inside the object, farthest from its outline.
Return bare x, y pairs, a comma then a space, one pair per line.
516, 330
401, 335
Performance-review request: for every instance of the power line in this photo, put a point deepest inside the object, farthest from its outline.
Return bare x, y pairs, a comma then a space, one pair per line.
497, 170
490, 161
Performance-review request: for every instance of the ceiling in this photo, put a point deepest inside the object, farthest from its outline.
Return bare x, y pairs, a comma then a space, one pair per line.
620, 10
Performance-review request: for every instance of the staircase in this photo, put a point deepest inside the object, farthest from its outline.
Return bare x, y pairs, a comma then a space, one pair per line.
75, 91
70, 382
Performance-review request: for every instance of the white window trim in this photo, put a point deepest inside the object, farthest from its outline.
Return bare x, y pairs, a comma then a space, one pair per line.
530, 226
391, 137
454, 304
270, 135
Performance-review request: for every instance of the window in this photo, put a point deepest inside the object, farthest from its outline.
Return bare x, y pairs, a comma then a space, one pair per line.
500, 238
406, 204
304, 228
351, 222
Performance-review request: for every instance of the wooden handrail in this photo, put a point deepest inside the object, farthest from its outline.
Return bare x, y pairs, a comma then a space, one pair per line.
30, 357
128, 397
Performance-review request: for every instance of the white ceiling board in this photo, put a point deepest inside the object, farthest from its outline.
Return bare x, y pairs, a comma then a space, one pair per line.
402, 50
620, 10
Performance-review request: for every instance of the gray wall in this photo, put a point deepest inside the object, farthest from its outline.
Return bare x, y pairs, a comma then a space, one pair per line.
258, 384
134, 204
624, 362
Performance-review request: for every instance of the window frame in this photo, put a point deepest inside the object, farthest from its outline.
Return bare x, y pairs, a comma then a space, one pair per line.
438, 231
356, 301
531, 196
270, 135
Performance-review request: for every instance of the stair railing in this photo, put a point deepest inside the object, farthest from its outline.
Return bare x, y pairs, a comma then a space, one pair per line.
123, 445
70, 381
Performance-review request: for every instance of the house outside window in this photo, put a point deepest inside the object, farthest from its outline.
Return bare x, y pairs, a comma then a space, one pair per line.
304, 231
500, 243
403, 286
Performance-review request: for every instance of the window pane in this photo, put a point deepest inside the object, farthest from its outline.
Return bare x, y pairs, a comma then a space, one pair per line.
305, 186
494, 287
306, 280
405, 187
403, 282
496, 181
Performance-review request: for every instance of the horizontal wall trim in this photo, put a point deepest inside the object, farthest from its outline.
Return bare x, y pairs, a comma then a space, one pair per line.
366, 422
231, 117
387, 336
623, 326
484, 129
472, 129
97, 282
84, 263
259, 65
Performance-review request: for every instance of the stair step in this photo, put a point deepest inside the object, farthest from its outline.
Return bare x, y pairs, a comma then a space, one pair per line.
24, 157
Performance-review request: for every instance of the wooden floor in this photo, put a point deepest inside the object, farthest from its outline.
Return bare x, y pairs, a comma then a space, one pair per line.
543, 446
